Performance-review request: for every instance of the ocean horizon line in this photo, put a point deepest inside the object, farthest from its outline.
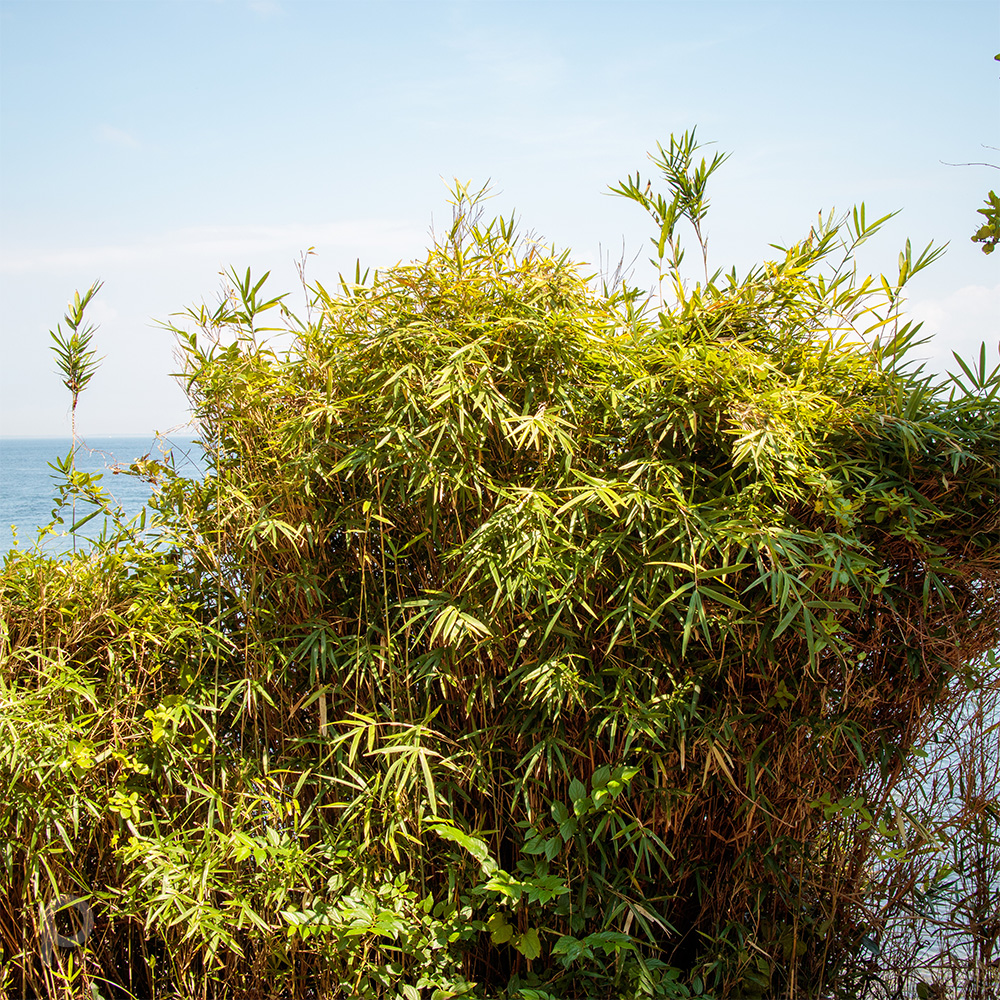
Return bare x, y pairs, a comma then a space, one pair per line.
93, 437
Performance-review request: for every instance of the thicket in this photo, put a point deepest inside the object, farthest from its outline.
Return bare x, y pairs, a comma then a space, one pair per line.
528, 637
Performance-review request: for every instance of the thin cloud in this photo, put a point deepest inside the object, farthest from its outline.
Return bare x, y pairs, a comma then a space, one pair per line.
118, 137
266, 8
228, 243
959, 322
510, 59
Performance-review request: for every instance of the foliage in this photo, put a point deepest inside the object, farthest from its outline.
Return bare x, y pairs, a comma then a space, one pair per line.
989, 233
76, 361
943, 866
523, 640
77, 364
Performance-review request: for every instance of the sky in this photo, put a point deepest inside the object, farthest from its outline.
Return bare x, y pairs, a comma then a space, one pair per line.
153, 144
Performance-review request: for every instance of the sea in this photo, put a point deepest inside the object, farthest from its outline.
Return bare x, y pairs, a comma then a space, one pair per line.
28, 483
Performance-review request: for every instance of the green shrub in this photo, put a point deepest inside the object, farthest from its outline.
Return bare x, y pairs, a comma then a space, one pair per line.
521, 641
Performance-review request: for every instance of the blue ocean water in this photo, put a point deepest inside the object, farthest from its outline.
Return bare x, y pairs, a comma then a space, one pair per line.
27, 484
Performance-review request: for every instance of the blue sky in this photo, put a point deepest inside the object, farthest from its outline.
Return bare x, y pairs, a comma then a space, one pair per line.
153, 144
